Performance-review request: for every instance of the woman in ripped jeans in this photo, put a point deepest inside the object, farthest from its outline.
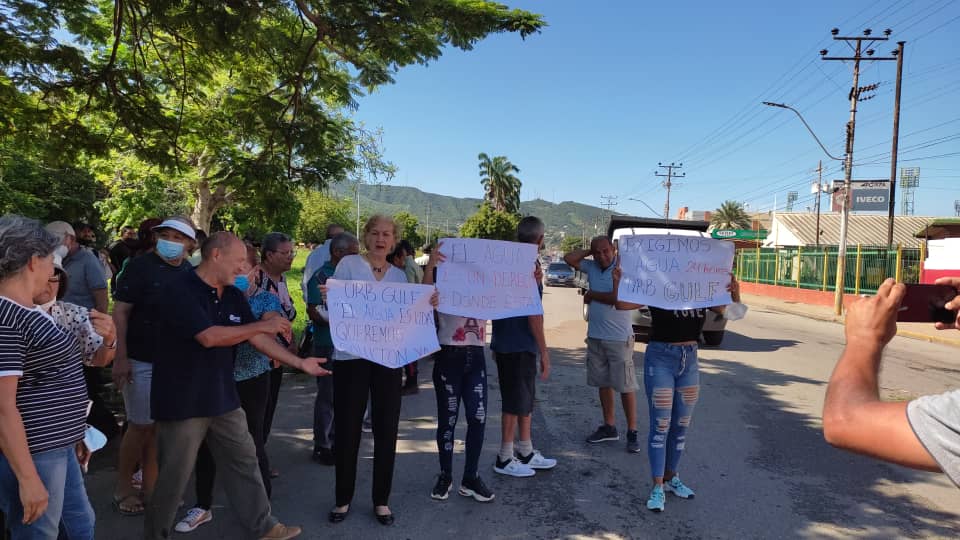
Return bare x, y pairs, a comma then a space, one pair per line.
671, 377
459, 376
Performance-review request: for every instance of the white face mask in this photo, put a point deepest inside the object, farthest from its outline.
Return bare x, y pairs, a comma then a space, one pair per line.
62, 251
46, 307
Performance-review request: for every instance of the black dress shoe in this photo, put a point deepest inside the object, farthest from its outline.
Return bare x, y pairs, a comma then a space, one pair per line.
386, 519
337, 517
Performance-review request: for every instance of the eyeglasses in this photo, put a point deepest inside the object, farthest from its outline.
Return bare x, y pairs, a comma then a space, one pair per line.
290, 253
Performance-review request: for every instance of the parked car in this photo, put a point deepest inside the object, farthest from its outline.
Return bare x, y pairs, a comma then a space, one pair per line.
715, 325
558, 273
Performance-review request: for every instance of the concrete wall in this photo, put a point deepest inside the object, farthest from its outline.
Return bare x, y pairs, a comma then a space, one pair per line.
793, 294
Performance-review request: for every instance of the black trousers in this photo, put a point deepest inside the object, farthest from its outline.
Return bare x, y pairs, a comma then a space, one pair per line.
254, 398
353, 382
276, 379
254, 394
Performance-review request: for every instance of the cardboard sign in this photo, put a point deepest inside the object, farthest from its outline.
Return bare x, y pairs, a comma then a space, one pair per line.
488, 279
675, 272
390, 324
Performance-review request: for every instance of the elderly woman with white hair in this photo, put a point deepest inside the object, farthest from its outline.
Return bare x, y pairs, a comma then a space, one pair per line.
43, 397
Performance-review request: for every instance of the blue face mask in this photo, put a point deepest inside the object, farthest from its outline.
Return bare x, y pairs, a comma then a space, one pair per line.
169, 250
241, 282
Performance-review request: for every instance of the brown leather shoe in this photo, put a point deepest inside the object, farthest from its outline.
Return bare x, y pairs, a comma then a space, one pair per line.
282, 532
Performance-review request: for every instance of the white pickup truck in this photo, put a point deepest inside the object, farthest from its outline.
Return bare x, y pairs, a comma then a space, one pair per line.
715, 325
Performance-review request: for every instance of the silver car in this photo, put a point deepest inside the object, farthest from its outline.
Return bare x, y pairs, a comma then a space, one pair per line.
558, 273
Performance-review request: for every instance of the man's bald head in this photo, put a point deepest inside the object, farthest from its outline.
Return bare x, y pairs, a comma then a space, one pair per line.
602, 251
224, 258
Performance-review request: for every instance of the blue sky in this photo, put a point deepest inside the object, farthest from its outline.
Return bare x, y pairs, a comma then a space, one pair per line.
609, 89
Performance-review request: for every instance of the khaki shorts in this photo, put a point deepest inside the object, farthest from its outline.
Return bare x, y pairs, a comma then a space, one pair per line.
610, 365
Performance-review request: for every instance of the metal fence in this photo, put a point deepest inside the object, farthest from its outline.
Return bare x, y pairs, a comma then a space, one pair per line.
816, 268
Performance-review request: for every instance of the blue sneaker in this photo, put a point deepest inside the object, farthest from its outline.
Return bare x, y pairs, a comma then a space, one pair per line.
656, 500
678, 488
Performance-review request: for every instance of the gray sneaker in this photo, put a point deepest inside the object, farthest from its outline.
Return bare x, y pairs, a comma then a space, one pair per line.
604, 433
633, 442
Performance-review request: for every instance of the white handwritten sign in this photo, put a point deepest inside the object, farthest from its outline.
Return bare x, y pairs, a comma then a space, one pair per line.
675, 272
390, 324
488, 279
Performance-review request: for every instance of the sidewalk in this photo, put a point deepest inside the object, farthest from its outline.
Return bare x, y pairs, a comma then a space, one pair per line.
921, 331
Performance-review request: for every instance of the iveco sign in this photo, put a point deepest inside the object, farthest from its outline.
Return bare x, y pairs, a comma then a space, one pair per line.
867, 196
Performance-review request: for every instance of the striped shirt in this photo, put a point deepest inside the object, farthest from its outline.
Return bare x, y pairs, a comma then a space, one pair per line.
51, 393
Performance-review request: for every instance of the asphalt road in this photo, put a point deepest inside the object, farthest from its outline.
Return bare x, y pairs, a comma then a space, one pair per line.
755, 454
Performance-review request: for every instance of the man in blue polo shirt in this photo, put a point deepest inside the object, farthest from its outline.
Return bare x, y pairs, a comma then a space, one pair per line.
516, 343
194, 396
609, 342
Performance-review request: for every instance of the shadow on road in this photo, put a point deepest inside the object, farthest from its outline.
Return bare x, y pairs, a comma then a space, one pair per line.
850, 493
732, 341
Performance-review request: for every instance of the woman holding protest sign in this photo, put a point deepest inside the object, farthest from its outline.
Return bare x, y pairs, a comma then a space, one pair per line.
356, 378
671, 378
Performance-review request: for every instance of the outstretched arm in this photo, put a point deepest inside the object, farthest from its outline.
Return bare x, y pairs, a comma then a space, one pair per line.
854, 418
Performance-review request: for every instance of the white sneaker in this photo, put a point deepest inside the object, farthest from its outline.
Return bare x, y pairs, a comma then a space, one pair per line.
195, 517
513, 467
536, 461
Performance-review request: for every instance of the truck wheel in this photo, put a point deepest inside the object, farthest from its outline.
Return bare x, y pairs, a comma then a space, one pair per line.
713, 338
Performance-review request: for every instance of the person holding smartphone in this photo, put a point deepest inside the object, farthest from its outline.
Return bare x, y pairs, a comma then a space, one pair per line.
923, 433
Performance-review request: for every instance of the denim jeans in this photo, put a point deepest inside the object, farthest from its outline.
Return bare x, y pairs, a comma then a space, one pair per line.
671, 378
460, 374
61, 475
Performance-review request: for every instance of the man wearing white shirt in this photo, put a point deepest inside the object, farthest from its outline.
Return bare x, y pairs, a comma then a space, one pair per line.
318, 257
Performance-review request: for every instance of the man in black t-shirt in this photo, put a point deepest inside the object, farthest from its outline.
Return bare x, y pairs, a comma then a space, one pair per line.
137, 296
194, 397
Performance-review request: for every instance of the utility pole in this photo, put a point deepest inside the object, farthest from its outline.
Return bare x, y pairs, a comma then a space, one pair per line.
609, 201
428, 223
819, 192
855, 90
668, 183
896, 139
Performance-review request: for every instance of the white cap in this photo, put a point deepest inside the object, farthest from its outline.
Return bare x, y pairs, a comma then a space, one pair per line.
178, 226
60, 229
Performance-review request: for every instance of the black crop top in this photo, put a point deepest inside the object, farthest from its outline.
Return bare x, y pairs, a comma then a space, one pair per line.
676, 325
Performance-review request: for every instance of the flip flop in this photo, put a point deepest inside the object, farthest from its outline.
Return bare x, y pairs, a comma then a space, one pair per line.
123, 505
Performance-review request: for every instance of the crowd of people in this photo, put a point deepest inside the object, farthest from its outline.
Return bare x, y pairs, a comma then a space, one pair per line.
201, 330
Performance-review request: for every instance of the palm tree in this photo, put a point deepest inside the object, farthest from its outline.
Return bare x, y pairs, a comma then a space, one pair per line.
730, 215
501, 188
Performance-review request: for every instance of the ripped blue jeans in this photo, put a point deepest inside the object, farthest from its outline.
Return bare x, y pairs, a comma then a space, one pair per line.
460, 375
671, 377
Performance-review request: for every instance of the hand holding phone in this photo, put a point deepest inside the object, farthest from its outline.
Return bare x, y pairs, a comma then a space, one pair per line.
928, 303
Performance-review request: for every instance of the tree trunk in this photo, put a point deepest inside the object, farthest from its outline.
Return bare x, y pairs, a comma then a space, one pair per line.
208, 202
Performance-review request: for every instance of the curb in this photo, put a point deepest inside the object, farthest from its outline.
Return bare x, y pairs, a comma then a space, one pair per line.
839, 320
931, 339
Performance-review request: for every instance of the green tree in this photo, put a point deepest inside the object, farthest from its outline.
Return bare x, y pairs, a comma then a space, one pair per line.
319, 210
409, 225
490, 224
501, 187
730, 215
225, 96
571, 243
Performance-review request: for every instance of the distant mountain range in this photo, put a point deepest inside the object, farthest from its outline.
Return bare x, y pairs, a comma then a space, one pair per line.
447, 213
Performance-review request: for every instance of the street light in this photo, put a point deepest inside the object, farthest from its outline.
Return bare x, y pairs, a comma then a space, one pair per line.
647, 205
800, 116
844, 208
